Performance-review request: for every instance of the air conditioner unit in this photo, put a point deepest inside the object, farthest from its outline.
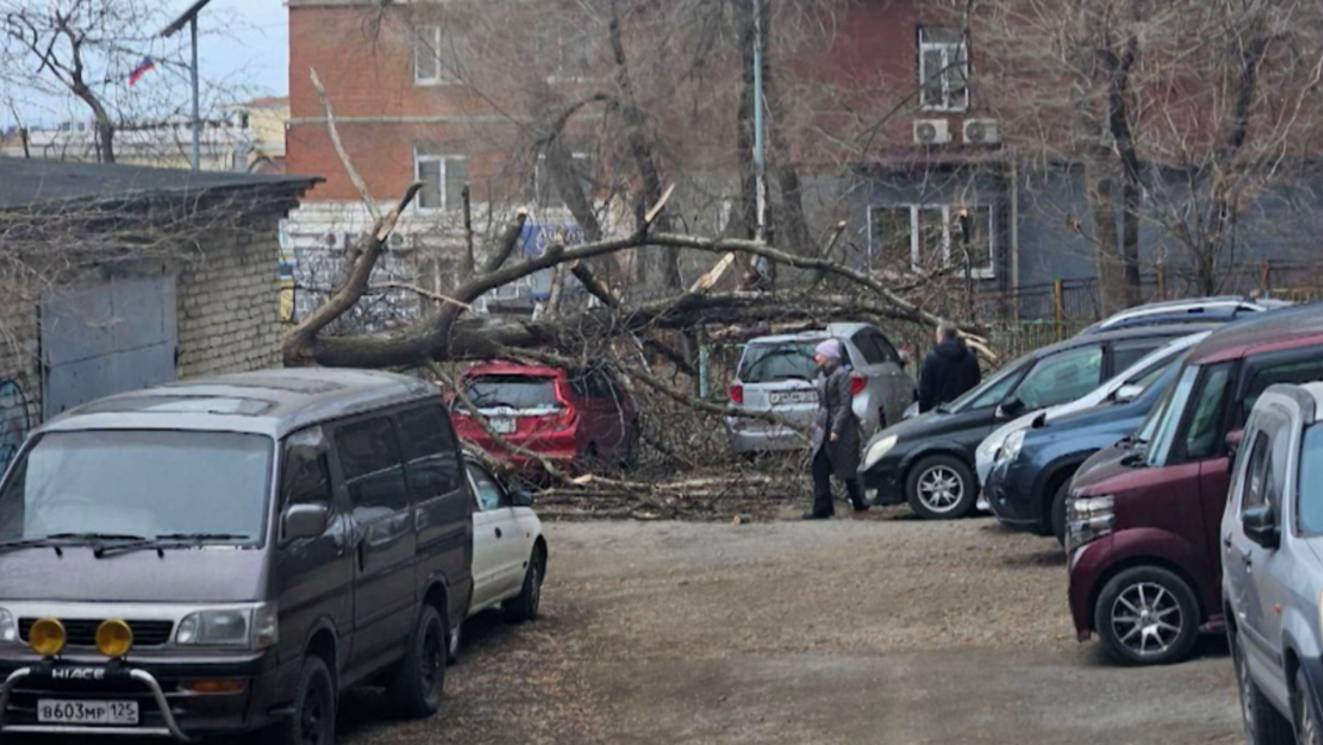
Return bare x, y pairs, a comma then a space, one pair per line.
931, 132
982, 132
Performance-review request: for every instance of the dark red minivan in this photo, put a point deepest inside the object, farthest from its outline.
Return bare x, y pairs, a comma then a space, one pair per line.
1145, 570
579, 419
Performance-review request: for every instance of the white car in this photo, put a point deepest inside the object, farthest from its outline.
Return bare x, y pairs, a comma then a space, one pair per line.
509, 550
1124, 386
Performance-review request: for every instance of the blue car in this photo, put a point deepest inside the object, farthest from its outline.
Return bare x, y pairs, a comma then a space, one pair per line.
1029, 483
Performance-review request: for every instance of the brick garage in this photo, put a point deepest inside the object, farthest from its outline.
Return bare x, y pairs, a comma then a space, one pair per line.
117, 276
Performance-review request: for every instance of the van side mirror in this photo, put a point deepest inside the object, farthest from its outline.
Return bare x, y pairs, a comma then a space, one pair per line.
1234, 438
1260, 526
521, 498
304, 521
1127, 393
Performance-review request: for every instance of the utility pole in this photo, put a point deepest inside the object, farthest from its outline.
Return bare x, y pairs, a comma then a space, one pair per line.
190, 17
759, 154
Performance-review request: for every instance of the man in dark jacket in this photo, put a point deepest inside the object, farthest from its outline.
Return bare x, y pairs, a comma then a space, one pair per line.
948, 371
835, 434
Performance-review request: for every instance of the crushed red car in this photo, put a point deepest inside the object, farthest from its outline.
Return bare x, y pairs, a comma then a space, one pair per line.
580, 419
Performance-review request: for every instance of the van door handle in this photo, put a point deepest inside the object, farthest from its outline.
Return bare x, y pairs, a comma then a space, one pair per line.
498, 532
1226, 540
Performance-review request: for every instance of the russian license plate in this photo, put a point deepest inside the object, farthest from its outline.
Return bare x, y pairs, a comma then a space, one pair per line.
501, 425
56, 711
793, 397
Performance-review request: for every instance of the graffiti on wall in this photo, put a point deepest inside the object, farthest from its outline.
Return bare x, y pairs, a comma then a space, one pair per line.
15, 420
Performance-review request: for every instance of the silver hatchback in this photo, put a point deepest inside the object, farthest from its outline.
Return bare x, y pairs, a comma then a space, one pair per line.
776, 374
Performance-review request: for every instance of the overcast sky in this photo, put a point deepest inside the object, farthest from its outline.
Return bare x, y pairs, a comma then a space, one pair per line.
243, 50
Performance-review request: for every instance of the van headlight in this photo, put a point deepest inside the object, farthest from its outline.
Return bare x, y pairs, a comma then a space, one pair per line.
1088, 519
1010, 450
8, 628
251, 627
879, 449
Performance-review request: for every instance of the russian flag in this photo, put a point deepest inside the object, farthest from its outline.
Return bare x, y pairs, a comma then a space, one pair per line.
143, 67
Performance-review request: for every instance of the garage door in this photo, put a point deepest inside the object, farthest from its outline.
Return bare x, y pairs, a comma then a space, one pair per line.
106, 338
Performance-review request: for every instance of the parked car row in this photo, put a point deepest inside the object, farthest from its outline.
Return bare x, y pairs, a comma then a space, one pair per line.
228, 555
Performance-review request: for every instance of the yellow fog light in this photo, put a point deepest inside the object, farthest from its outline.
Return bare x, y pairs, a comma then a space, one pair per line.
46, 637
114, 638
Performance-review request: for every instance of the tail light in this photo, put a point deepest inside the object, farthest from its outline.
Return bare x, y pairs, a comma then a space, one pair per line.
857, 384
737, 393
568, 414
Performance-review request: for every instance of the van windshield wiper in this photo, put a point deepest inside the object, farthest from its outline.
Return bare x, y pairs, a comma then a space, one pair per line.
168, 540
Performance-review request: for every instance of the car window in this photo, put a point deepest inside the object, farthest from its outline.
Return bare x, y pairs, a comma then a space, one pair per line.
430, 459
1203, 434
1150, 376
513, 391
1309, 498
992, 392
765, 363
489, 494
873, 347
374, 475
1062, 377
305, 474
1296, 370
1253, 491
1127, 353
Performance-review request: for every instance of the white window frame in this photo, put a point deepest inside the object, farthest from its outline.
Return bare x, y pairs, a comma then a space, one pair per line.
947, 49
442, 77
418, 160
988, 271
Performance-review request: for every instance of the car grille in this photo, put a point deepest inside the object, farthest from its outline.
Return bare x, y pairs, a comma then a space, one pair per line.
82, 632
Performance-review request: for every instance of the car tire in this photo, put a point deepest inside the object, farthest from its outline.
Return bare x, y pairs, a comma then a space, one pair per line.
456, 641
1264, 725
312, 718
1153, 603
1057, 512
1308, 724
941, 487
524, 606
416, 687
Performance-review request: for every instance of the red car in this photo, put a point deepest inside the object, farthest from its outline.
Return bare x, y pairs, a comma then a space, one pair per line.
1143, 520
578, 418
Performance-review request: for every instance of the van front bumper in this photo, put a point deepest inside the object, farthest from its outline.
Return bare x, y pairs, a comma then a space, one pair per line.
168, 704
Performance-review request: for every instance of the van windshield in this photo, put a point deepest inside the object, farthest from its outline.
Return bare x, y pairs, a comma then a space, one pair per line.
768, 362
513, 391
147, 483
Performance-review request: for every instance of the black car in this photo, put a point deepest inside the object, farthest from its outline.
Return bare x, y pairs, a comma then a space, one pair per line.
929, 460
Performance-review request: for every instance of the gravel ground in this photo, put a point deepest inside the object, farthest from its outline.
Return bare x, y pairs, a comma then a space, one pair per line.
878, 629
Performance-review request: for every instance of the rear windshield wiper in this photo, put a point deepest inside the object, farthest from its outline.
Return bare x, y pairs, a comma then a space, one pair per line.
19, 543
169, 540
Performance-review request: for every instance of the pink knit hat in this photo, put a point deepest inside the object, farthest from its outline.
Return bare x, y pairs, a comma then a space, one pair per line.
830, 349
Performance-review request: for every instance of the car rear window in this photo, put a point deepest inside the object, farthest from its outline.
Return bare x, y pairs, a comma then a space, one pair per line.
766, 363
514, 391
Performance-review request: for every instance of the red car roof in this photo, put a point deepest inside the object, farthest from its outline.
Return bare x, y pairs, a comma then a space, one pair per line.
1301, 326
510, 367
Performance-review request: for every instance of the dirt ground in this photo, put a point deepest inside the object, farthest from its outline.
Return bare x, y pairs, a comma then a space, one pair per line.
883, 629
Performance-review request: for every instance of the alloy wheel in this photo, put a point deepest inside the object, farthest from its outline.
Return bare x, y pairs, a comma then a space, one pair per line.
535, 597
1147, 618
434, 659
940, 488
1246, 700
1309, 726
312, 724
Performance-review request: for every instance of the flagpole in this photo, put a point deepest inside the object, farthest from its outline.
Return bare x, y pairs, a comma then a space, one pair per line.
197, 121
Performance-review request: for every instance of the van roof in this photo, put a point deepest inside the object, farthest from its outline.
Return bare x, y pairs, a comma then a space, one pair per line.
1286, 328
270, 402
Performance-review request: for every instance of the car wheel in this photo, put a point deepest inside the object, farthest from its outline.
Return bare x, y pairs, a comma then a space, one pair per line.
1058, 512
420, 678
1309, 729
1147, 616
312, 719
524, 606
1264, 725
941, 487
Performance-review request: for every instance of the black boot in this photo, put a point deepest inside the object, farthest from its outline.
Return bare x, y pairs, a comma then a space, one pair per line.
816, 516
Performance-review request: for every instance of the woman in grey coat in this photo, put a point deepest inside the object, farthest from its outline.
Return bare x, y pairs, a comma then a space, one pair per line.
835, 434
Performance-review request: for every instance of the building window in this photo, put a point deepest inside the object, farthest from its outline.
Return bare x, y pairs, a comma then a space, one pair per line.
545, 193
428, 61
943, 69
933, 237
443, 177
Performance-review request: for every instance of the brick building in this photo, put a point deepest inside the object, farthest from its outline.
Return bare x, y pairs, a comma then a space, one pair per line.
181, 282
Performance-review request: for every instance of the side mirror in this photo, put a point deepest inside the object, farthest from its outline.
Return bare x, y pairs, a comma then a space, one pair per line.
1234, 438
1260, 526
521, 498
1127, 393
1010, 408
304, 521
